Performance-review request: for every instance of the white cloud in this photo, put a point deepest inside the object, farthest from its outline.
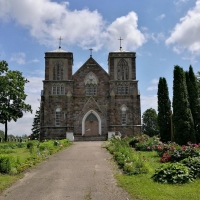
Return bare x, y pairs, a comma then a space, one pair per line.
34, 86
125, 26
157, 37
152, 88
20, 58
34, 61
148, 102
160, 17
179, 2
154, 81
185, 35
47, 20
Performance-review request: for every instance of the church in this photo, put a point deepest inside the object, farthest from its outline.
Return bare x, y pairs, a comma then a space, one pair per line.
90, 104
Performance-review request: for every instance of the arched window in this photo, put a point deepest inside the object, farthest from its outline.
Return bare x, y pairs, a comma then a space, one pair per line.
57, 117
58, 89
62, 89
91, 89
58, 71
91, 84
123, 115
91, 117
123, 89
122, 70
54, 89
54, 73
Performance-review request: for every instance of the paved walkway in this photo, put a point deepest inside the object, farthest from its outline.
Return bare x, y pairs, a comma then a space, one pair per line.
81, 172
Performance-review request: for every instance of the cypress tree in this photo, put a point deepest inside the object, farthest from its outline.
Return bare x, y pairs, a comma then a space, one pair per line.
36, 125
192, 87
164, 108
182, 116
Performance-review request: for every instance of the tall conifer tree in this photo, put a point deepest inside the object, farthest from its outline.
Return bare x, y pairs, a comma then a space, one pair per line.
192, 87
36, 125
164, 108
182, 116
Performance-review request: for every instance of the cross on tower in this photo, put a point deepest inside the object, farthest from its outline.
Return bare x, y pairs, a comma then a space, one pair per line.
91, 52
120, 43
60, 42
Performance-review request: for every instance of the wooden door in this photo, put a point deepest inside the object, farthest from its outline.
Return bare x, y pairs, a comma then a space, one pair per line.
91, 125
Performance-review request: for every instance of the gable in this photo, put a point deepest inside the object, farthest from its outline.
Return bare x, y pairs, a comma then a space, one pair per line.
91, 74
91, 66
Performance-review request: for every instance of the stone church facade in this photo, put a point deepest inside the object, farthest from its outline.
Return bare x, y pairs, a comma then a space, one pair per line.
90, 102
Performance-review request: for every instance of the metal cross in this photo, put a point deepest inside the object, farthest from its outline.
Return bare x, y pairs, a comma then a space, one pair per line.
91, 52
120, 43
60, 42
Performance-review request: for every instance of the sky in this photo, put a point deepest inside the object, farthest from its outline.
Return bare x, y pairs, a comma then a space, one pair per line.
163, 33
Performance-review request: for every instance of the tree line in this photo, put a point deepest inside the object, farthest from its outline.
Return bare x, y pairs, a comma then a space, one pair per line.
182, 123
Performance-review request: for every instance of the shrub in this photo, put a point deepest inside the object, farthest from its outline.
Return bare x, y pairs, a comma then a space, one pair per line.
6, 151
136, 167
194, 165
147, 143
29, 145
20, 145
184, 152
56, 143
174, 173
5, 163
166, 157
133, 142
42, 147
130, 162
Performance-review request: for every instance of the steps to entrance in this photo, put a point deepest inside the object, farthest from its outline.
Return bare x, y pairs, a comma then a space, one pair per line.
90, 138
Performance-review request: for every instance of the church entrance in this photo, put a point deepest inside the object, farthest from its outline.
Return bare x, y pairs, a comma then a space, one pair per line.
91, 125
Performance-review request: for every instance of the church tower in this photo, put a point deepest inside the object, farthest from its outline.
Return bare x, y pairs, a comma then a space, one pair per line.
58, 81
124, 95
90, 104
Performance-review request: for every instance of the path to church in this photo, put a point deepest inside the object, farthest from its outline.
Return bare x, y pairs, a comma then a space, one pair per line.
81, 172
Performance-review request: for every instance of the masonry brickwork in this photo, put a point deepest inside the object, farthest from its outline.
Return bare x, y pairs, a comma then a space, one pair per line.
113, 97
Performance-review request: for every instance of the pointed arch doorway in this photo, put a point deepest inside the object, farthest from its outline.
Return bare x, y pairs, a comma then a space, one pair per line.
91, 124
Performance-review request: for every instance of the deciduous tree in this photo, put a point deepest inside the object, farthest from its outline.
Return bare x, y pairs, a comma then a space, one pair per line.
150, 122
12, 95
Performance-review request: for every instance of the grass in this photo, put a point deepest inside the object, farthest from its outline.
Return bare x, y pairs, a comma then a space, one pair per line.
23, 154
7, 180
143, 187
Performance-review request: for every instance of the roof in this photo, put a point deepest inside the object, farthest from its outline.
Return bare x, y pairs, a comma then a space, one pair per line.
121, 50
58, 50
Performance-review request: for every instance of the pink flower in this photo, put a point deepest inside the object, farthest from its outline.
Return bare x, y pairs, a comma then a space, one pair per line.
159, 148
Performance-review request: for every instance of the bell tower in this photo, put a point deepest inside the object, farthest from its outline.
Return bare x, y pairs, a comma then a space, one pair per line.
57, 83
124, 94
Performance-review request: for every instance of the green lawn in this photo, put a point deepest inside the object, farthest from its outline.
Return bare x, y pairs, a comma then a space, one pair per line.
27, 157
143, 187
